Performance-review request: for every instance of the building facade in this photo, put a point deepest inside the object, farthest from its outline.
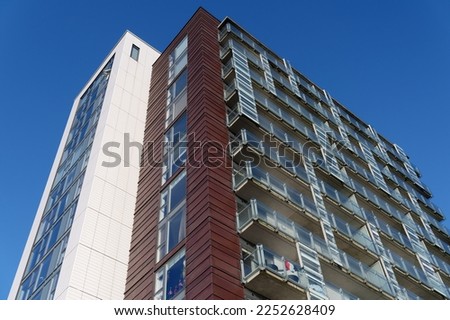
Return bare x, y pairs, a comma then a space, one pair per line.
255, 183
79, 242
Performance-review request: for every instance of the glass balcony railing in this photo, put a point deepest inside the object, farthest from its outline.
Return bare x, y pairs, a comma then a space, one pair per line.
307, 204
408, 267
298, 199
262, 259
276, 110
423, 232
354, 266
276, 62
443, 266
311, 88
443, 245
260, 79
342, 199
410, 295
285, 82
225, 47
226, 68
257, 211
254, 45
336, 293
256, 60
353, 233
222, 32
418, 274
229, 89
366, 272
438, 225
396, 235
233, 113
248, 172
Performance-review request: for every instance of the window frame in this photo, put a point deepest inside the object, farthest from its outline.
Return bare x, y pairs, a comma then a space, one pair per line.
162, 277
168, 190
165, 231
177, 56
175, 150
135, 51
167, 215
176, 102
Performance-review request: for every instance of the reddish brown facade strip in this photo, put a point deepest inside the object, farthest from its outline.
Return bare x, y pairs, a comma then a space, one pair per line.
212, 243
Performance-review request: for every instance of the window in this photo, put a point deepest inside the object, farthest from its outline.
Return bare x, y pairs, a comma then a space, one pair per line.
176, 97
172, 216
178, 59
173, 195
48, 250
134, 52
174, 148
170, 279
177, 87
171, 231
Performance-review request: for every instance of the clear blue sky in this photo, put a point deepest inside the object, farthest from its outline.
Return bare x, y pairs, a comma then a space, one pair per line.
388, 61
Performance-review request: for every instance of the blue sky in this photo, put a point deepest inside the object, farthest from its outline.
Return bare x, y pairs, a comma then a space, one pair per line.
388, 61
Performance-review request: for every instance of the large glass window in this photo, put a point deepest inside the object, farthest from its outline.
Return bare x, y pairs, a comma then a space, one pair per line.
172, 217
170, 279
41, 274
177, 87
178, 59
175, 145
176, 97
174, 194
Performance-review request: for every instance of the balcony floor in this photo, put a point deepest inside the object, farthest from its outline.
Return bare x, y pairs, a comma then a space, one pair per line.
273, 287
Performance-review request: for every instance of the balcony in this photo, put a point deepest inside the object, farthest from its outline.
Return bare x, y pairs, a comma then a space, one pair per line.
258, 223
355, 277
226, 69
273, 276
443, 266
336, 293
358, 240
395, 235
408, 268
263, 180
229, 90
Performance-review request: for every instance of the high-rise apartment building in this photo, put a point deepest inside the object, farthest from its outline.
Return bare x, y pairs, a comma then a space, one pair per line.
79, 242
256, 183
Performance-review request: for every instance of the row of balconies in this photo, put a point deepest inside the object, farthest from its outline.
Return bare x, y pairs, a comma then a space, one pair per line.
400, 237
308, 87
259, 224
246, 137
279, 223
367, 194
293, 104
279, 112
316, 106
